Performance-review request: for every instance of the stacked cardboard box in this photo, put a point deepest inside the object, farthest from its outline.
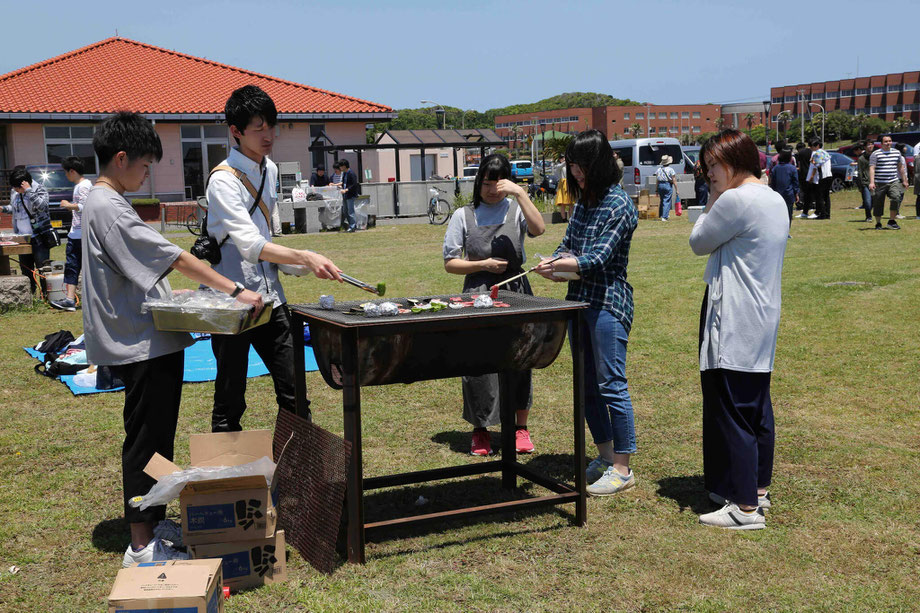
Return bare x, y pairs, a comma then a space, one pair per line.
233, 519
190, 586
647, 205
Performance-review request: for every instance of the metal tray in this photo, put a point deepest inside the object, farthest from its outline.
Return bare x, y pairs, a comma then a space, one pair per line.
213, 321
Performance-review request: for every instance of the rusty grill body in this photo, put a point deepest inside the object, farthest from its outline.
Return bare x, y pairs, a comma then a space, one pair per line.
353, 351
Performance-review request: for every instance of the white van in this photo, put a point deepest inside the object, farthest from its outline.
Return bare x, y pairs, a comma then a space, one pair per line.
641, 157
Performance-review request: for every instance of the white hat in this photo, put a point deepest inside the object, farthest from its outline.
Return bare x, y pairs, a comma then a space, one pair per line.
666, 160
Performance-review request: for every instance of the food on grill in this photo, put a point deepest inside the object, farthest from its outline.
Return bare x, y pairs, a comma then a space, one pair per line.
389, 308
482, 302
326, 302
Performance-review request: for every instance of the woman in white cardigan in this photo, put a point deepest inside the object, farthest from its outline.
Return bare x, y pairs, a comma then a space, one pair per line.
743, 231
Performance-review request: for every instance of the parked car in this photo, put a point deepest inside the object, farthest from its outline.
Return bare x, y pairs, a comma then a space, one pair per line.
469, 172
641, 157
692, 152
843, 169
521, 171
54, 179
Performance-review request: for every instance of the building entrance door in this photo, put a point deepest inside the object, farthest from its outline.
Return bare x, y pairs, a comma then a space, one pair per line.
203, 148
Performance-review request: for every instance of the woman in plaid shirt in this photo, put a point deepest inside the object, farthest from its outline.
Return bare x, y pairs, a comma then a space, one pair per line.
596, 245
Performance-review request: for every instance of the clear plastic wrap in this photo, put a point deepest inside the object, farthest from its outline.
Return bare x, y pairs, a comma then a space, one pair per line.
169, 487
204, 311
192, 302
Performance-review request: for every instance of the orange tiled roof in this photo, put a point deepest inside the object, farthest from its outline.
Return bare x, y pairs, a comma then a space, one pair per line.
118, 73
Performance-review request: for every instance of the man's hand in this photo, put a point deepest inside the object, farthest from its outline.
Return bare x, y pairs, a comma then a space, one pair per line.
25, 185
253, 299
871, 186
70, 206
495, 265
321, 266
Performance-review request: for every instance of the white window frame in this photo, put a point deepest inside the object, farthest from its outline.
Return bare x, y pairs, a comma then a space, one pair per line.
70, 141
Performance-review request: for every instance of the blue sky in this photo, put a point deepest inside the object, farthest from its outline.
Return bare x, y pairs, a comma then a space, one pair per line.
480, 55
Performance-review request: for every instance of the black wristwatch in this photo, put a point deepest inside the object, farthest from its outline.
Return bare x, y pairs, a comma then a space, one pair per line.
239, 290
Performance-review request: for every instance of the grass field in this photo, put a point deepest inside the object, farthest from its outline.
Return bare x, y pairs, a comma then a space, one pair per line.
842, 535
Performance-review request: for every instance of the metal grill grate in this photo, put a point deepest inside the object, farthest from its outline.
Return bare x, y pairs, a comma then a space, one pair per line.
520, 303
311, 487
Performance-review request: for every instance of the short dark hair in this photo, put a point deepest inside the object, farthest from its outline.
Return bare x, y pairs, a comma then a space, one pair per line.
591, 151
733, 149
72, 162
493, 168
814, 141
779, 145
785, 156
800, 145
247, 103
320, 167
344, 164
128, 132
18, 175
858, 145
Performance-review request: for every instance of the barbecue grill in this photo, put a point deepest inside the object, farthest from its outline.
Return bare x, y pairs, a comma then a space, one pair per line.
353, 351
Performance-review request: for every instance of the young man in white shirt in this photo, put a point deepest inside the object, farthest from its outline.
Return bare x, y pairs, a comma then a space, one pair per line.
74, 168
249, 257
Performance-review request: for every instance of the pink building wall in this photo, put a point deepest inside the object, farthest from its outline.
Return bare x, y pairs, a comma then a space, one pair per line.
27, 144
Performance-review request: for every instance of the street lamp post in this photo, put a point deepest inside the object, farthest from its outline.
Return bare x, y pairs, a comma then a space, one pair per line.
439, 113
823, 115
766, 127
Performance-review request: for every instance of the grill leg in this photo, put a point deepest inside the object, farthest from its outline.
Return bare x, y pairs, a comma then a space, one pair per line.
578, 402
354, 487
509, 451
300, 375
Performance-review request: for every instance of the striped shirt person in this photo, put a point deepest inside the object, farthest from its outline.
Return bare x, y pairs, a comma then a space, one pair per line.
886, 165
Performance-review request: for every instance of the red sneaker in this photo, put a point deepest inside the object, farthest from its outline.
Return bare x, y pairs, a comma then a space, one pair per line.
522, 441
482, 443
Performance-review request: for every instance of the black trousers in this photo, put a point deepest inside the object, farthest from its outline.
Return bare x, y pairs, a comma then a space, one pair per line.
823, 198
275, 345
153, 390
738, 433
808, 195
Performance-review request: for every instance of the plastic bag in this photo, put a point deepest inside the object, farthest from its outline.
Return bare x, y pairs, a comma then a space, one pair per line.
195, 301
170, 486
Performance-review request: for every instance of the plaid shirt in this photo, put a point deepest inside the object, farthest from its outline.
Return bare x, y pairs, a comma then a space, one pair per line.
599, 239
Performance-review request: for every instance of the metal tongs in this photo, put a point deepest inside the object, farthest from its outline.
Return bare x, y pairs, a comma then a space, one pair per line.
380, 289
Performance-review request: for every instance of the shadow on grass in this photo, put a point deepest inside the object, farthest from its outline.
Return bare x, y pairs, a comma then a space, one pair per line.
111, 535
688, 492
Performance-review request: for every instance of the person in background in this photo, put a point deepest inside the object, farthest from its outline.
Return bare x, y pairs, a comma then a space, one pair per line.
596, 248
29, 207
886, 165
917, 178
743, 230
126, 261
903, 150
807, 190
700, 186
862, 151
667, 186
319, 177
350, 189
336, 179
485, 243
819, 175
784, 179
73, 166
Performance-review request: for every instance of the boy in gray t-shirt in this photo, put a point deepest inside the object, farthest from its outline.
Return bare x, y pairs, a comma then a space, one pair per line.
124, 262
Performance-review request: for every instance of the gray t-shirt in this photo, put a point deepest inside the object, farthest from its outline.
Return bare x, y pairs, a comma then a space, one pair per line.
486, 215
124, 261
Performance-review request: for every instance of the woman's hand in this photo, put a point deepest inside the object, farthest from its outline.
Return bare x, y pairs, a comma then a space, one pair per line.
510, 188
495, 265
548, 267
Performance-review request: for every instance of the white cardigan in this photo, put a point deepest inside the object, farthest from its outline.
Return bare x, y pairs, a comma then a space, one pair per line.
744, 235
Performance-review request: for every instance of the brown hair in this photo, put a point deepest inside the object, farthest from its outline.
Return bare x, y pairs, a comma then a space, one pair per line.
735, 150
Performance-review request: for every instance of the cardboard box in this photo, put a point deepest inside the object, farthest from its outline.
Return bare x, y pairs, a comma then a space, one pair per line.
186, 586
224, 510
248, 563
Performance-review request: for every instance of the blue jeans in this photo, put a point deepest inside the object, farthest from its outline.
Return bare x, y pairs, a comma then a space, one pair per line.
664, 194
608, 408
867, 199
349, 210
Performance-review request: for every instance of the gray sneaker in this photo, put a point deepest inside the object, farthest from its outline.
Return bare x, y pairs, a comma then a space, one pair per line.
596, 469
611, 482
65, 305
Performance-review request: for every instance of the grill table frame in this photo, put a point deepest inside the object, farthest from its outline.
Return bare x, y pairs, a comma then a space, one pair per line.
352, 328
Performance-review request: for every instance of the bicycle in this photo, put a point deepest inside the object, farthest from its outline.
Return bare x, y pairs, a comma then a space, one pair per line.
193, 221
439, 209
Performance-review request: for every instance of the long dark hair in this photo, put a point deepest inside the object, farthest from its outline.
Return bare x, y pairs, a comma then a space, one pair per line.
493, 168
591, 151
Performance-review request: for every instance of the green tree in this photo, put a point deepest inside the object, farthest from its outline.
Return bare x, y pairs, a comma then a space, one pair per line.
860, 121
900, 123
636, 130
720, 121
554, 148
749, 120
782, 119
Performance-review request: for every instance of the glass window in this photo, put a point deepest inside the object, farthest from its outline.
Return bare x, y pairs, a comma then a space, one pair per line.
791, 98
696, 129
878, 90
625, 115
651, 115
64, 141
57, 152
777, 99
862, 91
626, 154
818, 96
696, 114
190, 131
846, 93
894, 88
674, 115
685, 115
830, 95
640, 115
215, 131
910, 87
685, 129
650, 155
81, 132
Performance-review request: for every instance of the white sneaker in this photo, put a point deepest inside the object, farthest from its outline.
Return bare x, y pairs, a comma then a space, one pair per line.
595, 469
611, 482
730, 517
764, 502
803, 216
812, 216
899, 216
155, 551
